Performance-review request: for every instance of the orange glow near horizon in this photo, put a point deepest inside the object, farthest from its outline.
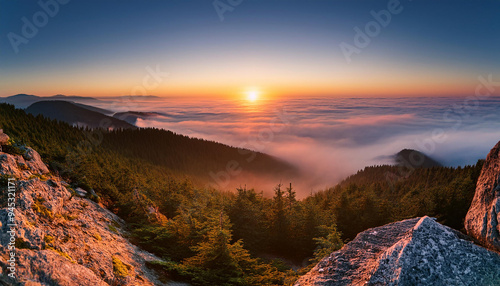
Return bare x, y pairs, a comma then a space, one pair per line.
255, 95
376, 78
375, 86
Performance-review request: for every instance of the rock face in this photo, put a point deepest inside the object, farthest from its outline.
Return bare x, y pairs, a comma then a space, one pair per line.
482, 219
60, 238
416, 251
3, 138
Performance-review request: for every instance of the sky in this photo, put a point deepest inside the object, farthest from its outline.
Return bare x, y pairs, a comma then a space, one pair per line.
224, 48
330, 86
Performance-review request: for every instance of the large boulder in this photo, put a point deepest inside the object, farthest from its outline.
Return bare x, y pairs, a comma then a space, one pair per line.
482, 218
416, 251
34, 161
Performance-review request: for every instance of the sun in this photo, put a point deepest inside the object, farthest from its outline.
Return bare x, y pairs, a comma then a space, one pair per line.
253, 95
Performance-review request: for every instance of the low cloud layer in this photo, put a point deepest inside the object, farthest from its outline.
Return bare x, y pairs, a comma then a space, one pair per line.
331, 138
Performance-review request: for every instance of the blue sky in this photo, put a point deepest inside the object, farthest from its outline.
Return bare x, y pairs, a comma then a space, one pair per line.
283, 47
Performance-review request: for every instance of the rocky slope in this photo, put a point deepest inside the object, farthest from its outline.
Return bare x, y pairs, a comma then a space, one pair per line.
416, 251
60, 237
482, 218
4, 138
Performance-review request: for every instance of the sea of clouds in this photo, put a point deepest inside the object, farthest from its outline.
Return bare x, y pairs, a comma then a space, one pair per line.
331, 138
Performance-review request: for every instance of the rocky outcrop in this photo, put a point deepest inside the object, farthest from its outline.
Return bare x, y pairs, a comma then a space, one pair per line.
4, 138
483, 216
25, 166
34, 161
60, 238
416, 251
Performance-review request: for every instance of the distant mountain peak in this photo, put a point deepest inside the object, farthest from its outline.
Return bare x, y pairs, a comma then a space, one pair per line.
415, 159
23, 95
66, 97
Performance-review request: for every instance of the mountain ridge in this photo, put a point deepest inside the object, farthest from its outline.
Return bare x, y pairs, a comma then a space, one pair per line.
75, 114
24, 100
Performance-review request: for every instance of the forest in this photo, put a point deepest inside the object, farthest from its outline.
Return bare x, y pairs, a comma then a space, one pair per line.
241, 237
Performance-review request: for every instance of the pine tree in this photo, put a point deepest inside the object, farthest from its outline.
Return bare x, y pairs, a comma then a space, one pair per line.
328, 243
219, 262
279, 223
290, 197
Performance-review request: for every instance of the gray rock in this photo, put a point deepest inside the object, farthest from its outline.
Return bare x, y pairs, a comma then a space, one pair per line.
34, 161
81, 192
416, 251
482, 218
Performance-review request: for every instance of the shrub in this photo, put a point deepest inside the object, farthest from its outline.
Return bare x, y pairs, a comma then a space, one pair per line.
95, 198
70, 217
112, 228
38, 207
4, 179
65, 255
120, 269
13, 147
41, 177
21, 244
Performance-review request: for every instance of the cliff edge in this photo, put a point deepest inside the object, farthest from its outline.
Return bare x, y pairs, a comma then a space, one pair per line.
482, 218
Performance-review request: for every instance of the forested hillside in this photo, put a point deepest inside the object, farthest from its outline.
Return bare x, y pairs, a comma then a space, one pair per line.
381, 194
199, 158
213, 237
